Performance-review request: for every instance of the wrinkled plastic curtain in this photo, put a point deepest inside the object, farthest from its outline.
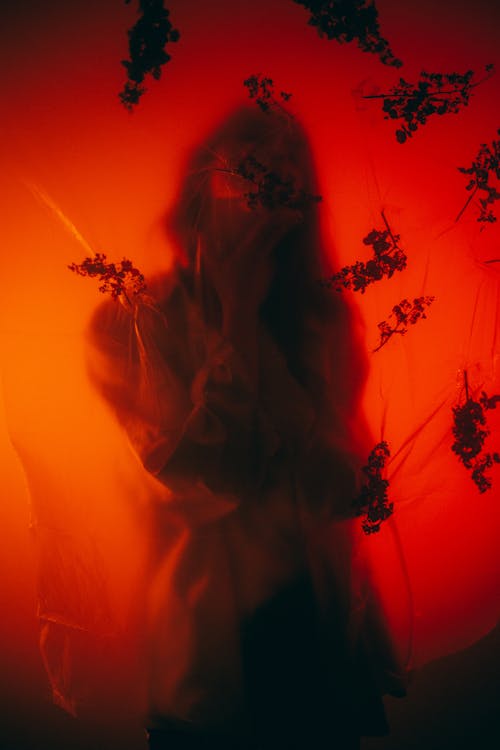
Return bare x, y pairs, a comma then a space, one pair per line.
435, 563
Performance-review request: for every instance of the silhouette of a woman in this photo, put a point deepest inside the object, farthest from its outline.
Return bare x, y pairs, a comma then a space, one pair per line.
237, 381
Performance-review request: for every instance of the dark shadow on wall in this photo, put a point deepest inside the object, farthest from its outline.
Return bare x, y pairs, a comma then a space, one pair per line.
453, 702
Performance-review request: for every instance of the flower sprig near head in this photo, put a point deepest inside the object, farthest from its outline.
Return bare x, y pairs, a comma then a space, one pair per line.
271, 189
261, 89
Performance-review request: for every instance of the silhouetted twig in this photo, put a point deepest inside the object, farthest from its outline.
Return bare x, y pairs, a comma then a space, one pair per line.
403, 314
484, 168
372, 501
470, 432
434, 94
261, 89
116, 279
148, 39
388, 257
348, 21
271, 189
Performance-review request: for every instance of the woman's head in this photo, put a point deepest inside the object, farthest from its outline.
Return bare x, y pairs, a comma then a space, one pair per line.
254, 162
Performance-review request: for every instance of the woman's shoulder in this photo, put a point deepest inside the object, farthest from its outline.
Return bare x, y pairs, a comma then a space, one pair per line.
112, 322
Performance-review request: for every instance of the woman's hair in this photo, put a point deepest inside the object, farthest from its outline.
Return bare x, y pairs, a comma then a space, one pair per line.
312, 326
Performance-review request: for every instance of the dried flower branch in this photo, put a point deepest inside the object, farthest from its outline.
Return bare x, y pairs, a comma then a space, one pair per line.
404, 314
116, 279
373, 501
148, 39
272, 190
470, 432
261, 89
388, 257
349, 20
433, 94
484, 168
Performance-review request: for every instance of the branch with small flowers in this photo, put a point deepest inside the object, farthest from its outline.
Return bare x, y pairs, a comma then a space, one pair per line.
373, 501
484, 169
148, 39
272, 190
116, 279
404, 314
261, 89
470, 432
434, 94
349, 21
388, 257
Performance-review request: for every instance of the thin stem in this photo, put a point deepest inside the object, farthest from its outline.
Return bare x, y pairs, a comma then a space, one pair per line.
389, 336
482, 80
412, 95
225, 170
276, 103
234, 173
127, 297
388, 228
471, 196
466, 383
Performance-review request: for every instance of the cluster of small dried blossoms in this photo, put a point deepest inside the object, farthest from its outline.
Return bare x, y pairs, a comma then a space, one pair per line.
433, 94
349, 21
372, 501
148, 40
272, 190
404, 314
116, 279
261, 89
388, 257
483, 172
470, 432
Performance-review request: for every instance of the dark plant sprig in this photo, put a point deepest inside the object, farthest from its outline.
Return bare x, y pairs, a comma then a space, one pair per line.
373, 501
484, 168
470, 432
481, 465
404, 314
271, 189
261, 89
148, 39
348, 21
116, 279
434, 94
388, 257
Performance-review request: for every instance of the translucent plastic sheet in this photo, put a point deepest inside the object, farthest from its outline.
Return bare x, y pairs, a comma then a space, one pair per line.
434, 564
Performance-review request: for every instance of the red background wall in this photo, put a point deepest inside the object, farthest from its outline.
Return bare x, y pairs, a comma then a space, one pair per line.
115, 175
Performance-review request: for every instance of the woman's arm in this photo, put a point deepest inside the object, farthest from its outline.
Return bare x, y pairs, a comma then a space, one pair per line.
204, 425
